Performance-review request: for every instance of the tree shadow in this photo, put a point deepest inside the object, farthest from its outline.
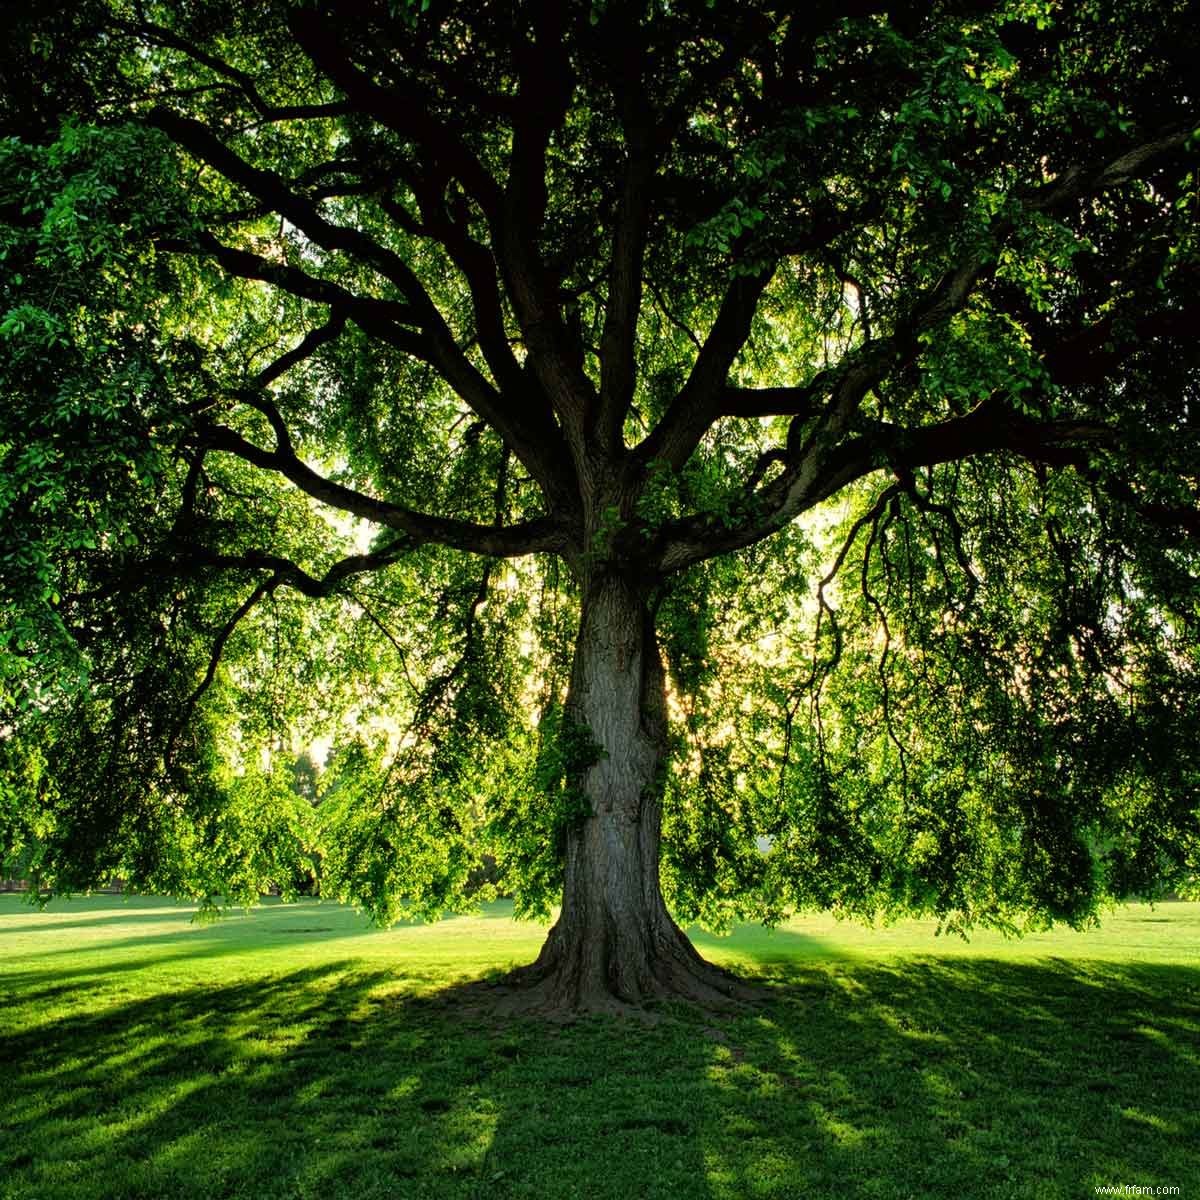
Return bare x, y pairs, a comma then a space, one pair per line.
947, 1077
331, 1081
919, 1077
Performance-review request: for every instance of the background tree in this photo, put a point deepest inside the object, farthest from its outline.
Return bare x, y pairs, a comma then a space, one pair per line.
651, 428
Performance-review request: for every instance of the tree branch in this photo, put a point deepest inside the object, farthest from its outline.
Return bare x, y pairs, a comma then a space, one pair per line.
478, 268
699, 400
243, 610
768, 402
401, 108
867, 366
630, 228
533, 439
284, 571
312, 342
272, 190
384, 319
541, 535
245, 83
818, 465
546, 83
989, 428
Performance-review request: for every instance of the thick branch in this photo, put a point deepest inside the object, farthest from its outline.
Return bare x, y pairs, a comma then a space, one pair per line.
619, 338
529, 537
699, 401
1171, 517
707, 394
768, 402
478, 268
989, 428
534, 441
546, 83
513, 214
1089, 355
401, 108
276, 192
1082, 181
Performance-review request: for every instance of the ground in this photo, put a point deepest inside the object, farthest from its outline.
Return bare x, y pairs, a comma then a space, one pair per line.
295, 1052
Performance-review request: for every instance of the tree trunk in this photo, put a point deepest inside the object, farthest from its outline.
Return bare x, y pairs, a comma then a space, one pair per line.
615, 946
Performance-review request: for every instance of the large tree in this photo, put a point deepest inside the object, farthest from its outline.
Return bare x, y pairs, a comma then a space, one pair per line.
745, 448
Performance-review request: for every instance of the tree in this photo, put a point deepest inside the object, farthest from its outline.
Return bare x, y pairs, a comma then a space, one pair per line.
624, 328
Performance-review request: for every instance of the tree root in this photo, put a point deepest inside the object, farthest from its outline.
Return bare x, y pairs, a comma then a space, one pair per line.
577, 978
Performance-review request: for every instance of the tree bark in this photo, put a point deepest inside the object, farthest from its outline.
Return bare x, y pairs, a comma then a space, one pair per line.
615, 947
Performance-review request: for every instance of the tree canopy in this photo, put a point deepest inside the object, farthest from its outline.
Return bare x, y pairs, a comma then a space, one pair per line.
774, 423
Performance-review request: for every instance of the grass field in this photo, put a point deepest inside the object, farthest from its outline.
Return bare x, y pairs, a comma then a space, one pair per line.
296, 1052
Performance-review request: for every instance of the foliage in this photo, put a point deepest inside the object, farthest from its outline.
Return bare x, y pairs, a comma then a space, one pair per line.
345, 347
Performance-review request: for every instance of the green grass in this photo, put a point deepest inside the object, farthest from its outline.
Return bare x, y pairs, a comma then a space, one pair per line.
295, 1052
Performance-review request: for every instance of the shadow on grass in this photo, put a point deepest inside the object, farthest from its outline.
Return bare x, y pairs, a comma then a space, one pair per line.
921, 1077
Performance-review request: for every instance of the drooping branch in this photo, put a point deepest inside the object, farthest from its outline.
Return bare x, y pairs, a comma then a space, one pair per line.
438, 688
259, 398
260, 592
284, 573
768, 402
666, 310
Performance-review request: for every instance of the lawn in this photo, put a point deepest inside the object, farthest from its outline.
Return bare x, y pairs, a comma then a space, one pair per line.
296, 1052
